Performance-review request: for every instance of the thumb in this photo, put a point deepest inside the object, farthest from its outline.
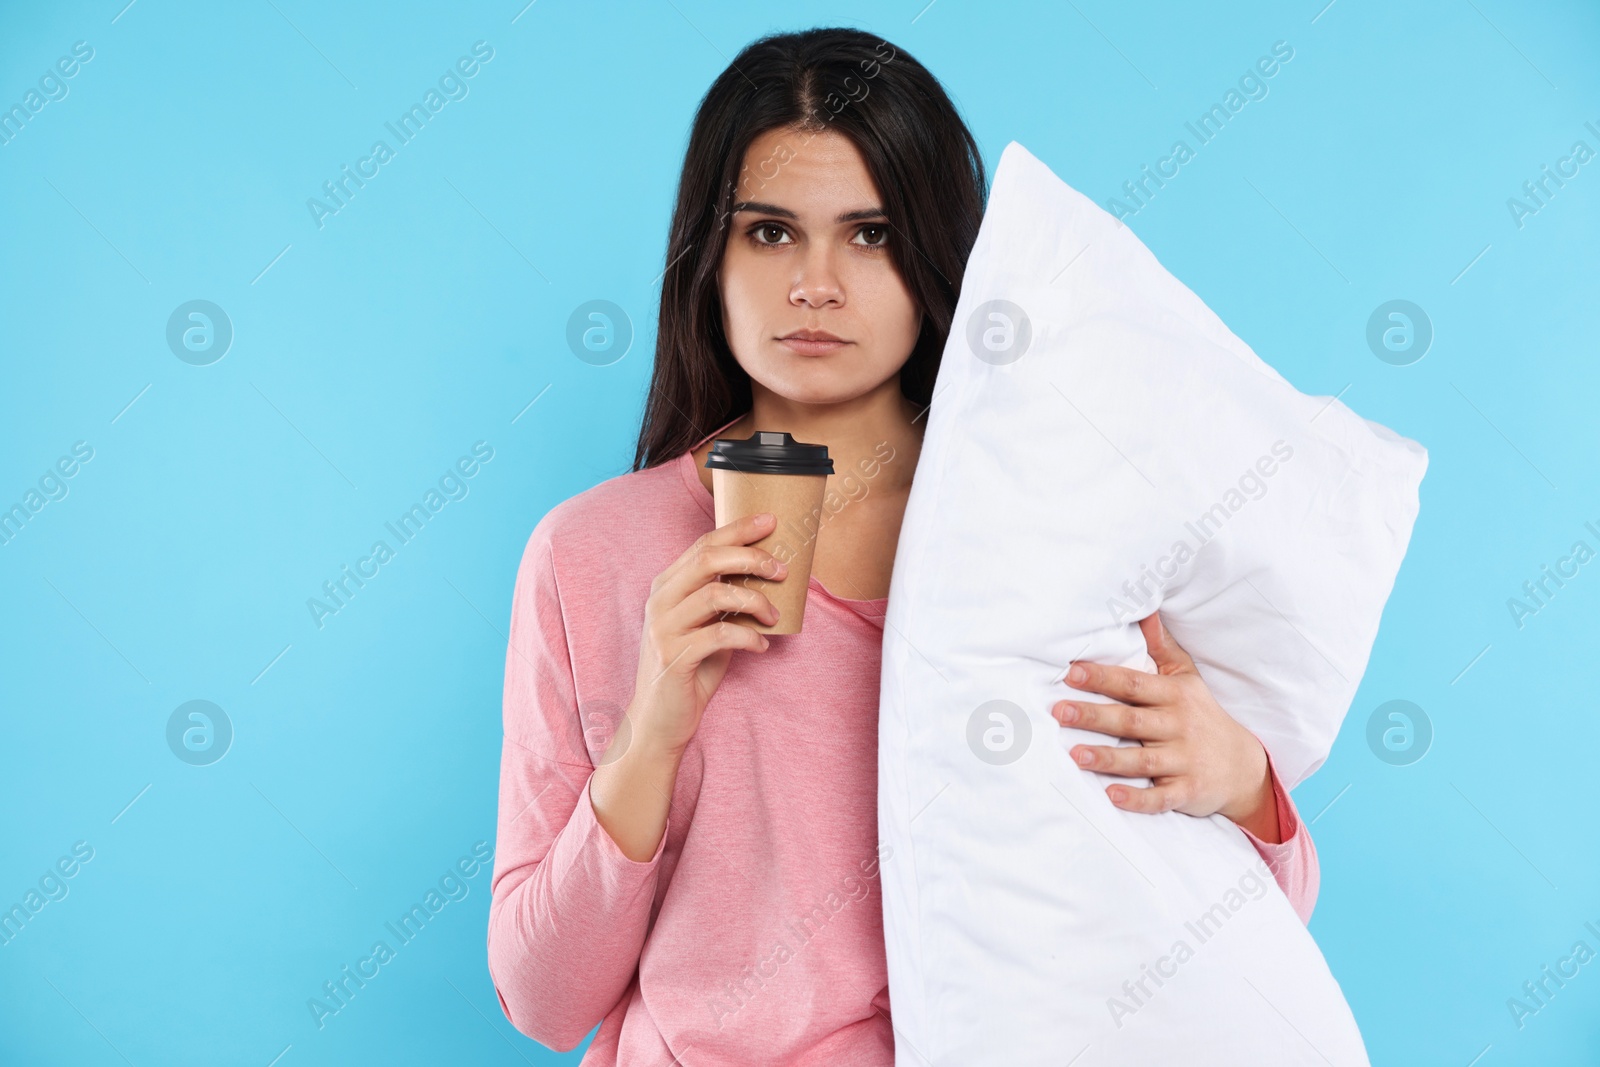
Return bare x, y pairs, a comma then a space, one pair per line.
1169, 655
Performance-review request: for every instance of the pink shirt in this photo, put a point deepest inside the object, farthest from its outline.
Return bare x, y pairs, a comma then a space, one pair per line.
755, 933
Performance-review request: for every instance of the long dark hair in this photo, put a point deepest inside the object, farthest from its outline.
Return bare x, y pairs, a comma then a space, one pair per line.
921, 155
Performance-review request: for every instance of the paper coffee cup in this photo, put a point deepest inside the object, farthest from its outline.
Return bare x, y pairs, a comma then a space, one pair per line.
772, 472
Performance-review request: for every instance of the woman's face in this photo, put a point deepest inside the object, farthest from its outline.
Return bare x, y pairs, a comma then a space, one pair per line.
812, 304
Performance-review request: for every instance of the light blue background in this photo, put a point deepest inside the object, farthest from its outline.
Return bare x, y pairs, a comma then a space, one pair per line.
427, 314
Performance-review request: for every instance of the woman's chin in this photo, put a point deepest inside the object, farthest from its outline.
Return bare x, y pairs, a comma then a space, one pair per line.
818, 394
816, 381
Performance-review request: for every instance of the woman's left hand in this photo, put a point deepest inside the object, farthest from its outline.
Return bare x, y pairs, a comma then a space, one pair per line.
1200, 760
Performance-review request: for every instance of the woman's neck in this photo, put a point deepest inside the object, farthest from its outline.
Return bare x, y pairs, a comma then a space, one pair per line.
854, 431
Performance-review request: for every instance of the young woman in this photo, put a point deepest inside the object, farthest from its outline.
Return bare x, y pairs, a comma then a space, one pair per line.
688, 849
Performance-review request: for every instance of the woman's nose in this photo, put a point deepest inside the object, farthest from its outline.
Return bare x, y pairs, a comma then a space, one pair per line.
818, 284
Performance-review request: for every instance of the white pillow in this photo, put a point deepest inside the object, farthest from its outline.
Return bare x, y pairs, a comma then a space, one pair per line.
1101, 426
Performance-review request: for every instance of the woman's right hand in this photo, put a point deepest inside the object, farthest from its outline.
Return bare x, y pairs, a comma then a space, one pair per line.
683, 656
687, 641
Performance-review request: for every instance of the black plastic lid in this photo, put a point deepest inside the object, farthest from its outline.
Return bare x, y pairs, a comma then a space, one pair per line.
769, 453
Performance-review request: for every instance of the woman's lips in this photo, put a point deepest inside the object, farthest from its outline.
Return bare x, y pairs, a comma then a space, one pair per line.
807, 347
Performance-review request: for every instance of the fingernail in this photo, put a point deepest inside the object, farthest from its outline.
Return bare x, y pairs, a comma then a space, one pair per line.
1115, 794
763, 519
1077, 674
1085, 758
1069, 713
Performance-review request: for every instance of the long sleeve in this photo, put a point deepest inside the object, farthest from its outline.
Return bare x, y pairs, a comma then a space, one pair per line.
1294, 861
569, 911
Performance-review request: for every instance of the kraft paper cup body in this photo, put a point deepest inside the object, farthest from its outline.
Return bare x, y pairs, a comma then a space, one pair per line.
795, 500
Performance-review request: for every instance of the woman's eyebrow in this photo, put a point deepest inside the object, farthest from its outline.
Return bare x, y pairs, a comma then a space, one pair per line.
859, 215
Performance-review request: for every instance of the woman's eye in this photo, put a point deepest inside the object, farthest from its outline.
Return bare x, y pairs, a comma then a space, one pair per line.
769, 234
873, 236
